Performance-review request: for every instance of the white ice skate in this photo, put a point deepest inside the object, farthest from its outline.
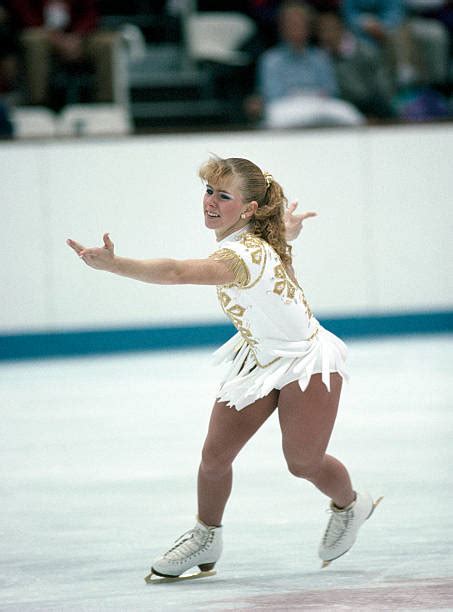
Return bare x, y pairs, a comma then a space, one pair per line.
343, 526
200, 546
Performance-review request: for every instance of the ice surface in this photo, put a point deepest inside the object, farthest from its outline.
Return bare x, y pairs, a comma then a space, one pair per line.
99, 457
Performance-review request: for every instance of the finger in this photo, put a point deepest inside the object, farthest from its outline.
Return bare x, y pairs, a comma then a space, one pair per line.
107, 242
308, 214
78, 248
292, 206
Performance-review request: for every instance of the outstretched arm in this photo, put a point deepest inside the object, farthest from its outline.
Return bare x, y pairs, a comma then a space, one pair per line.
294, 223
158, 271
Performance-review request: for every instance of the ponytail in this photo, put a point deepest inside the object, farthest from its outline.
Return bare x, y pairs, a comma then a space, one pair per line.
268, 222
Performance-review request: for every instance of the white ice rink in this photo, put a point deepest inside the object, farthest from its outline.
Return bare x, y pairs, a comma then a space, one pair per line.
99, 457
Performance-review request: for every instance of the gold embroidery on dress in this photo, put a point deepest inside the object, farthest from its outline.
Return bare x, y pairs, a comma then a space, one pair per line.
235, 312
260, 364
224, 299
250, 240
257, 256
315, 333
306, 304
257, 253
284, 283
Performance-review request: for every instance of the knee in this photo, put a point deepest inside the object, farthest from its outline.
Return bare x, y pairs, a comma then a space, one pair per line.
215, 463
304, 468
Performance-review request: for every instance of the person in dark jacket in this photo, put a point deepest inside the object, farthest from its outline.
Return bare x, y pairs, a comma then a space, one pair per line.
67, 31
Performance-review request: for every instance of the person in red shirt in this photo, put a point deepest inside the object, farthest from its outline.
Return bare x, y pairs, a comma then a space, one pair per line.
66, 30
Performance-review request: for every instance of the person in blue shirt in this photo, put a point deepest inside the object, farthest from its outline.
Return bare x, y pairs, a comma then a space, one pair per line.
373, 19
361, 73
296, 80
416, 50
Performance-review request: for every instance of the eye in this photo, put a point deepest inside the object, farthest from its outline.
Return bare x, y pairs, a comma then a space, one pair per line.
209, 190
224, 196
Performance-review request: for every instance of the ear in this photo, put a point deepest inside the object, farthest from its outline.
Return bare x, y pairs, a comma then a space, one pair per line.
251, 209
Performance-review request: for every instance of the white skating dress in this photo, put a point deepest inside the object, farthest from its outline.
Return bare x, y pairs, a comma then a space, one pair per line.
278, 339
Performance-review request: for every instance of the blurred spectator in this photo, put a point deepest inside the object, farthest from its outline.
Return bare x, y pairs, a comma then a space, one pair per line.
360, 71
323, 6
6, 127
385, 24
8, 53
265, 14
296, 81
441, 10
433, 19
65, 32
374, 20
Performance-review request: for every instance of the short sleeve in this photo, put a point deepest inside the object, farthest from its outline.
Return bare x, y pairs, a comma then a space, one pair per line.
235, 263
246, 258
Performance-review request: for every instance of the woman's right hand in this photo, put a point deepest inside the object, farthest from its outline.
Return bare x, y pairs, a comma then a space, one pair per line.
102, 258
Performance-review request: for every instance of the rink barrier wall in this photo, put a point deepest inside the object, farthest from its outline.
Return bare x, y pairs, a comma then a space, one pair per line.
380, 244
89, 342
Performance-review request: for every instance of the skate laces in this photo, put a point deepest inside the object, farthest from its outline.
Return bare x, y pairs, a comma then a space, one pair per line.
337, 526
189, 543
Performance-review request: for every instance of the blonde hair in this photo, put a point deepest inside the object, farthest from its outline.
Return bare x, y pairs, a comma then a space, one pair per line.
255, 185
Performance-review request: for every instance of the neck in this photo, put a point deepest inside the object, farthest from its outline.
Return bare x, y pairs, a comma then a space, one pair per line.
297, 47
223, 233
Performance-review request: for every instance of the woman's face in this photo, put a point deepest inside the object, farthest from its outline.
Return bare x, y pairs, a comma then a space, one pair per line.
223, 205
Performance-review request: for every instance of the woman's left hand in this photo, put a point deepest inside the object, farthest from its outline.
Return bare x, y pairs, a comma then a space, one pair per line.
294, 223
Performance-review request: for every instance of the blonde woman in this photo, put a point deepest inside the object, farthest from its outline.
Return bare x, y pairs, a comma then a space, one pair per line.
281, 358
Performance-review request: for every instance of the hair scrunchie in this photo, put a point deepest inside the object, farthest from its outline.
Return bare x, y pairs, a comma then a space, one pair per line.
268, 178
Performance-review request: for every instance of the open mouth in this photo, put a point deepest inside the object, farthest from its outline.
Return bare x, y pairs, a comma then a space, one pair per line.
212, 215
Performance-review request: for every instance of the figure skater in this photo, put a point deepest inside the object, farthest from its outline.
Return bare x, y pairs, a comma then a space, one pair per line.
280, 358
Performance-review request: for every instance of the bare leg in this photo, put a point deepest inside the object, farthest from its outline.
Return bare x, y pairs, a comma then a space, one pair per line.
306, 421
229, 430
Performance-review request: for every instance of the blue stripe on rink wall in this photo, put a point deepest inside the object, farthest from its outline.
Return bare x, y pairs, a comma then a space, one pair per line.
72, 343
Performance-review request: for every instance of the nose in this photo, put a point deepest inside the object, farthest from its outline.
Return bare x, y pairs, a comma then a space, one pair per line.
210, 199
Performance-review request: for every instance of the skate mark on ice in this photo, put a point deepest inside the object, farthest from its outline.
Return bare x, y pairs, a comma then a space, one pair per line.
422, 594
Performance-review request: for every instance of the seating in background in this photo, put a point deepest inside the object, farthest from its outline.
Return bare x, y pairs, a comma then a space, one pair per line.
75, 120
33, 122
218, 37
93, 120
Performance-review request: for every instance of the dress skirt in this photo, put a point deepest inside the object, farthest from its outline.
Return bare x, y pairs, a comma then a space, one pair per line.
245, 381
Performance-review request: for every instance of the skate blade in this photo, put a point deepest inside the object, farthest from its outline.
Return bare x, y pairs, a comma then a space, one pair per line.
327, 563
375, 505
377, 502
156, 579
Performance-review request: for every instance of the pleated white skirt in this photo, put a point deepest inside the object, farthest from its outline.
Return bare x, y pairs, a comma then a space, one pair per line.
245, 381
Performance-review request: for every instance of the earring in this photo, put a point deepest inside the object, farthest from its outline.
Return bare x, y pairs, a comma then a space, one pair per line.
243, 216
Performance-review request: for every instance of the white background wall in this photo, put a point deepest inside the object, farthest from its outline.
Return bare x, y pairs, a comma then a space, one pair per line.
382, 241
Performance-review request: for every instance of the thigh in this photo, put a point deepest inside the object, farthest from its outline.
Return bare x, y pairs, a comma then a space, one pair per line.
307, 418
230, 429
